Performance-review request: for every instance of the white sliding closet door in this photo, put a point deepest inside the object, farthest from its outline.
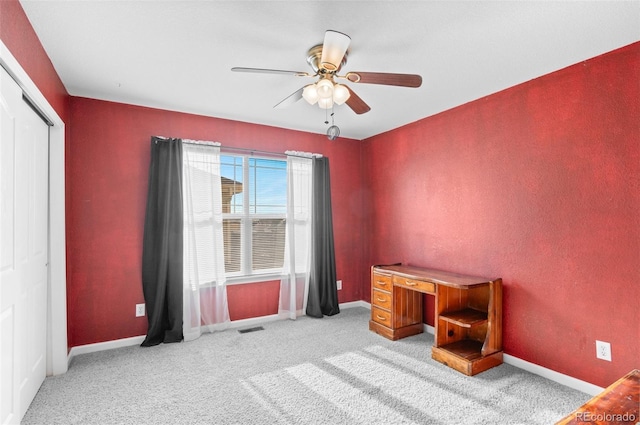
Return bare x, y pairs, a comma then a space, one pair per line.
24, 175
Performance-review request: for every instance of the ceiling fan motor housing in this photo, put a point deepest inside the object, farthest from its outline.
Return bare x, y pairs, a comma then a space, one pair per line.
314, 56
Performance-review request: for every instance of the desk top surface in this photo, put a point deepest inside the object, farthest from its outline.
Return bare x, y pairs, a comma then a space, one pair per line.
432, 275
619, 403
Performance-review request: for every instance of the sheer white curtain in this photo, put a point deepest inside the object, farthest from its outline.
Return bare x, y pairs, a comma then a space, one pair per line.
294, 284
205, 296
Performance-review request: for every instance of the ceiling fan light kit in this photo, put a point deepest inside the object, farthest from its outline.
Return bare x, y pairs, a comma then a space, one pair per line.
325, 93
326, 60
340, 94
310, 94
325, 89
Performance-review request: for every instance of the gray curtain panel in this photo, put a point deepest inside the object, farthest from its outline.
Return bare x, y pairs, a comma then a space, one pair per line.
323, 292
162, 243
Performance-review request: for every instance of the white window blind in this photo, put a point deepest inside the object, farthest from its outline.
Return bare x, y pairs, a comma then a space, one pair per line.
254, 211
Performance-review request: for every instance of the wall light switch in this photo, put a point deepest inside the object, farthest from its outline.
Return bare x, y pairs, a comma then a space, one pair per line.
339, 285
139, 310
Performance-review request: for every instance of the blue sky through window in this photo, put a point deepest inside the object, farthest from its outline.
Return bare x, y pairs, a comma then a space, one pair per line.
266, 185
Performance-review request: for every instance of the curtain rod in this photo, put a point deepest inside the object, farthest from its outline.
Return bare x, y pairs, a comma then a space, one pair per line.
200, 142
251, 151
284, 155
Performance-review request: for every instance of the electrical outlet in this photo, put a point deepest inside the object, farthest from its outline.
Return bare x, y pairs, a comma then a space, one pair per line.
339, 285
603, 350
139, 310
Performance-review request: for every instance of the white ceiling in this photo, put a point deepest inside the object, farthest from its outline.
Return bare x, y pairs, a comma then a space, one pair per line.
178, 55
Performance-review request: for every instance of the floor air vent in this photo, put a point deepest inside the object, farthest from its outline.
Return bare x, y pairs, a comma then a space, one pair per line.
257, 328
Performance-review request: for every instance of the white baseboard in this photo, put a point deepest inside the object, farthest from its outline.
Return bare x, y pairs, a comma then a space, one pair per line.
102, 346
552, 375
137, 340
353, 304
253, 321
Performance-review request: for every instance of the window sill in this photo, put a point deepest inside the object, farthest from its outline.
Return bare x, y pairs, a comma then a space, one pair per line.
239, 280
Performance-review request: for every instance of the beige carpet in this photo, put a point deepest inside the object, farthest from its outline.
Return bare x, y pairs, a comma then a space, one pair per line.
310, 371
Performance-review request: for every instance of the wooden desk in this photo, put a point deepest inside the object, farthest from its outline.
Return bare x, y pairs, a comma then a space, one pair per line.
619, 403
468, 322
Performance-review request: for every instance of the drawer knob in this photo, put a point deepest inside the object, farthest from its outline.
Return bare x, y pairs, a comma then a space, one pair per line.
410, 283
381, 317
380, 299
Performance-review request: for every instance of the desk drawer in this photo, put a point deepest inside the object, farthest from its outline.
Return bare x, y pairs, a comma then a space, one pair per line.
381, 299
416, 285
381, 281
381, 316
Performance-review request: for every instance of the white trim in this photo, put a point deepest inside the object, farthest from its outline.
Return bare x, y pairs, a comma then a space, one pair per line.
552, 375
137, 340
103, 346
549, 374
353, 304
57, 285
252, 321
257, 278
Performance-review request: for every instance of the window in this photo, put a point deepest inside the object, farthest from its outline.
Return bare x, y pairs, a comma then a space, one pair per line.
254, 207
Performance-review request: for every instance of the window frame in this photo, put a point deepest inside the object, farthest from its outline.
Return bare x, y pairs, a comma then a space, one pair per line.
247, 274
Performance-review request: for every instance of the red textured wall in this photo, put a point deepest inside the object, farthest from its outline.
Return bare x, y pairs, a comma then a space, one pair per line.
539, 185
253, 299
108, 163
18, 35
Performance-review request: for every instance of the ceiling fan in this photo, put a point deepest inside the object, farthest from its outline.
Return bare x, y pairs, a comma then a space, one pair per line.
326, 60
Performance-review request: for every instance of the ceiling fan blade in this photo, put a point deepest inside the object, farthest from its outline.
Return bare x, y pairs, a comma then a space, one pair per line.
271, 71
291, 99
333, 49
403, 80
356, 104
